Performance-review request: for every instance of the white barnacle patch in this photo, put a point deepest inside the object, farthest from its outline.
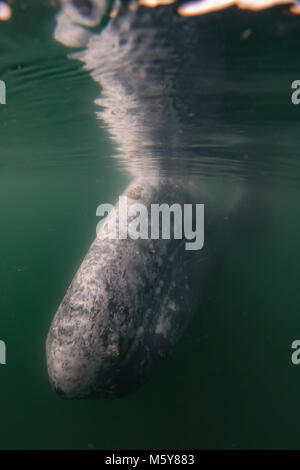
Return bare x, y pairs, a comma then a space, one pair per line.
140, 331
172, 305
163, 326
159, 261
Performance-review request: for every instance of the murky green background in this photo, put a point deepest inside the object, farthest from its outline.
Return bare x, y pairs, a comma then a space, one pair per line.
230, 382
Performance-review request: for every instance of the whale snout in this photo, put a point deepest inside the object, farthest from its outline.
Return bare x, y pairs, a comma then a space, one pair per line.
68, 369
78, 361
74, 374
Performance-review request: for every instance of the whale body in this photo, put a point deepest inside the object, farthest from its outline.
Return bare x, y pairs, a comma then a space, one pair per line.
125, 308
131, 300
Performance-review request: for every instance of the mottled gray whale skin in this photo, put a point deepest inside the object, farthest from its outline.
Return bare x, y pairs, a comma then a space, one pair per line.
127, 305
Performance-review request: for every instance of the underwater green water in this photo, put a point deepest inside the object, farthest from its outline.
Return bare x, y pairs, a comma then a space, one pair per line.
230, 382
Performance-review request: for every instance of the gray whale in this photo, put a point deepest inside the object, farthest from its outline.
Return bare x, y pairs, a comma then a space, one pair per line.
130, 300
125, 308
